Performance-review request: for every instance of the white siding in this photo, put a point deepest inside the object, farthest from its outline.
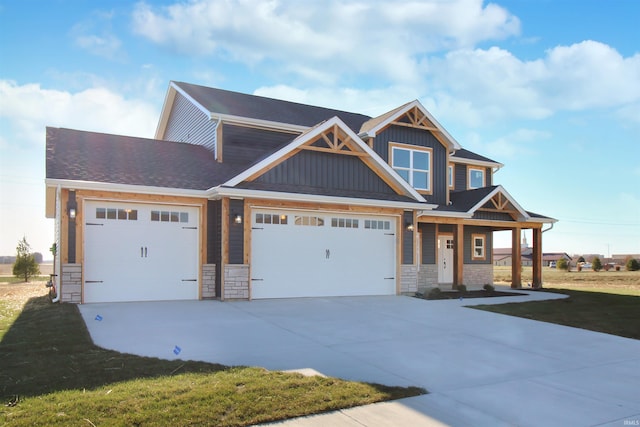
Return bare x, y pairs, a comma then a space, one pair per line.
187, 123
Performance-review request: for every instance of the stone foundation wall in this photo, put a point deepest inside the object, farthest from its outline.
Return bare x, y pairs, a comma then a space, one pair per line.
477, 275
71, 283
427, 277
208, 281
236, 281
408, 279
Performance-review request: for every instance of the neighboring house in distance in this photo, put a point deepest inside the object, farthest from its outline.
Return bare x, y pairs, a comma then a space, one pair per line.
554, 257
246, 197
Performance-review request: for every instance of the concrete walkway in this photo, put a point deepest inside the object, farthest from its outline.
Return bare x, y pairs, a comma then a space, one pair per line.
481, 369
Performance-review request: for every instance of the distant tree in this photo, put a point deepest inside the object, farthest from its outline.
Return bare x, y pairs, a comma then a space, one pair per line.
562, 264
596, 264
581, 259
632, 264
25, 265
38, 257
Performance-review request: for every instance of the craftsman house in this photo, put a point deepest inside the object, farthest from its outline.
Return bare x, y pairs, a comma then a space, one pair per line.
246, 197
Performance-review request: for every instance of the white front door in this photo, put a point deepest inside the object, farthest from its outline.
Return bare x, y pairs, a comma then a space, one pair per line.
140, 252
306, 254
445, 259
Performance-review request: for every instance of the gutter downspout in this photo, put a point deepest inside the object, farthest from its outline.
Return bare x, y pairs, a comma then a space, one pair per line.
548, 229
56, 266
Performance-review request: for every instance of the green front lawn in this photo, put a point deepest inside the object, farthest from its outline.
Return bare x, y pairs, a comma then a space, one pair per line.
49, 364
601, 311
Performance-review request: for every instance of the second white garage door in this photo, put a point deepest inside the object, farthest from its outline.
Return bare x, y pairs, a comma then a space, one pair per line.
140, 252
306, 254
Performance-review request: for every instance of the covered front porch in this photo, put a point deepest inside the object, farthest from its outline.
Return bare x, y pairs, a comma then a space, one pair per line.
456, 240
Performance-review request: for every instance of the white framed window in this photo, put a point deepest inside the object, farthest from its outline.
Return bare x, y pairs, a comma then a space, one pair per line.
478, 243
450, 176
476, 178
413, 164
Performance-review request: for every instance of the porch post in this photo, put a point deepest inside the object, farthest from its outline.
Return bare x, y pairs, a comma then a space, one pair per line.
458, 254
516, 259
537, 258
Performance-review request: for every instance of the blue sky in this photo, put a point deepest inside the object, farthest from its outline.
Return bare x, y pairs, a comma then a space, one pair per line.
551, 89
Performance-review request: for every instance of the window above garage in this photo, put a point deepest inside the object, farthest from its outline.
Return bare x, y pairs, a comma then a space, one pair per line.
413, 164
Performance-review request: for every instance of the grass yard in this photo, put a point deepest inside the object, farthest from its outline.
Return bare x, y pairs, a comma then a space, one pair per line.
598, 301
52, 374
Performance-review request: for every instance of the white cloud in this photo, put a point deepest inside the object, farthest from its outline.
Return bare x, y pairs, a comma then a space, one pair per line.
342, 37
498, 85
96, 36
29, 108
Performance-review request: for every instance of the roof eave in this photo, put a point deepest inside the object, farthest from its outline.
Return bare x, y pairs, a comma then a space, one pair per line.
222, 191
71, 184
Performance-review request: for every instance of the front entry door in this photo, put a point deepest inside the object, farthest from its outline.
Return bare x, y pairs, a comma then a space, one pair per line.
445, 259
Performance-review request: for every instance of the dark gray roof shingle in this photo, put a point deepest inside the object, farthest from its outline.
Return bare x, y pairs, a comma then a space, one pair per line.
470, 155
99, 157
262, 108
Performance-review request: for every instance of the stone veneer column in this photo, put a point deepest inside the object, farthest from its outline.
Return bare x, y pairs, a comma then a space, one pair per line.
208, 281
236, 281
477, 275
71, 283
408, 279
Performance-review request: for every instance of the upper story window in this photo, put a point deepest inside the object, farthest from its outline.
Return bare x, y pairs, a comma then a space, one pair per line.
476, 178
413, 164
450, 176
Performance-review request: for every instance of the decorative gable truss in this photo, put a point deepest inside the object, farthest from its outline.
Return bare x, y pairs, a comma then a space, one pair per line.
414, 115
334, 137
500, 201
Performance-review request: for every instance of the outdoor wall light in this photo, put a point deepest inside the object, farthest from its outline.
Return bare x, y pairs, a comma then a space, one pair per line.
409, 226
72, 213
237, 219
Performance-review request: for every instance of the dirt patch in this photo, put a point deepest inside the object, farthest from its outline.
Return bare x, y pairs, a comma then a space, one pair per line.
17, 294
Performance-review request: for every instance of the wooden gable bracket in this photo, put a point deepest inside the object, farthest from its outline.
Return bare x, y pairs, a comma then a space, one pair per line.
501, 204
337, 142
416, 119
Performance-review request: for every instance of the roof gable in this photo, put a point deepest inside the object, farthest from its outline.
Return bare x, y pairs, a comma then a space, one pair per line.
332, 137
412, 114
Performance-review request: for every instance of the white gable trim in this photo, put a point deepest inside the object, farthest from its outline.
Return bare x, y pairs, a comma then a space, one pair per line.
452, 141
312, 134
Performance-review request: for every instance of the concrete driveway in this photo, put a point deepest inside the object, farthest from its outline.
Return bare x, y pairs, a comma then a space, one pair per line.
480, 368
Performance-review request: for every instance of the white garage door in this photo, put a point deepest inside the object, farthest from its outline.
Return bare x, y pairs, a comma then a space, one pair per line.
305, 254
139, 252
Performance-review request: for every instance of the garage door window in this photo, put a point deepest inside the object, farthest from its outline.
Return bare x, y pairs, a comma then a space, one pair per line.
309, 220
344, 223
377, 225
113, 213
272, 219
169, 216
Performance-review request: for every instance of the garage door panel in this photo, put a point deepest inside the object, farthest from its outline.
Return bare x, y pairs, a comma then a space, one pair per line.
330, 258
150, 255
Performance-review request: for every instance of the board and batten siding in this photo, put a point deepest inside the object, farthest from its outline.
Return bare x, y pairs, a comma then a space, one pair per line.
428, 243
187, 123
420, 138
469, 231
327, 171
236, 232
245, 144
461, 176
